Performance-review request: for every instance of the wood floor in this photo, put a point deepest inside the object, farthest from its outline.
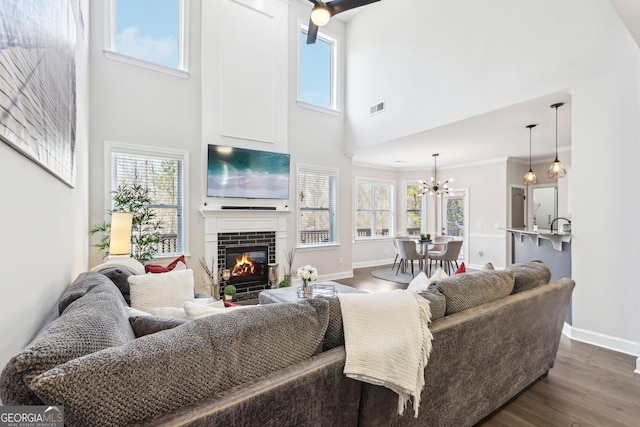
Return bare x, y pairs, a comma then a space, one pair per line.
588, 386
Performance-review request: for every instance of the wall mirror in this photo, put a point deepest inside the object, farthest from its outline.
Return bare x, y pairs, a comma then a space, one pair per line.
543, 206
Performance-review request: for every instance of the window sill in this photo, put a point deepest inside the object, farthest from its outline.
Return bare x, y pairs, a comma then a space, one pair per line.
109, 54
317, 246
371, 239
319, 109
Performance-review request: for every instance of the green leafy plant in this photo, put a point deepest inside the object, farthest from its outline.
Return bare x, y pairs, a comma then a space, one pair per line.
284, 283
423, 236
146, 228
230, 290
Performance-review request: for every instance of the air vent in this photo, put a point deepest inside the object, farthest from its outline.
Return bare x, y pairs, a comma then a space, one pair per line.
375, 109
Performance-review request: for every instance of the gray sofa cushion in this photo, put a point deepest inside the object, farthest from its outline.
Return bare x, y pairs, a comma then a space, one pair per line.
530, 275
467, 290
94, 322
335, 334
438, 302
170, 369
145, 325
83, 284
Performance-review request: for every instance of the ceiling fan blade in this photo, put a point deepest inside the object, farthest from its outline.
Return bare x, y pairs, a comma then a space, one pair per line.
312, 34
337, 6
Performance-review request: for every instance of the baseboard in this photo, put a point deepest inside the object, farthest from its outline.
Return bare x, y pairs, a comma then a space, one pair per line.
375, 263
604, 341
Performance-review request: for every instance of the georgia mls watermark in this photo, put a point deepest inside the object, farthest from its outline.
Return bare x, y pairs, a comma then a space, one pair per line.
31, 416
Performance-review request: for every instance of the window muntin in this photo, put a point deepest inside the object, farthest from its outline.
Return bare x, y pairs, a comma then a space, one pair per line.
374, 209
413, 209
317, 206
317, 75
150, 33
164, 176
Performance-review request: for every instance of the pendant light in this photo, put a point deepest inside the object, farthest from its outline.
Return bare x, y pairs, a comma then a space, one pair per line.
556, 169
435, 186
530, 177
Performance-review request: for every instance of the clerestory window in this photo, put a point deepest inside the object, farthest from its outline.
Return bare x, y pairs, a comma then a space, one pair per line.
317, 71
148, 33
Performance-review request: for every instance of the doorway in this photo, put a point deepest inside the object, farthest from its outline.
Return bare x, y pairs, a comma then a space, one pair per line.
455, 218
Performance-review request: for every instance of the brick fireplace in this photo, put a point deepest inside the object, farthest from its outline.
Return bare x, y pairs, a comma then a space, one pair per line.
236, 236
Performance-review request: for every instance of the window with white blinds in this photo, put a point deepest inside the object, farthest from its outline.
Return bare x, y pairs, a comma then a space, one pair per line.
374, 212
317, 206
163, 176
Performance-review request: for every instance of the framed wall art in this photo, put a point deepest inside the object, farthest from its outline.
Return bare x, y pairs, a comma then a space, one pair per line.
38, 83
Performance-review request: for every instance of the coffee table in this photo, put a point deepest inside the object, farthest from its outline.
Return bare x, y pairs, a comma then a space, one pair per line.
290, 294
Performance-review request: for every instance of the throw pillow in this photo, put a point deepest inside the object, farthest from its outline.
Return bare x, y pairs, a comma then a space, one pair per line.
146, 325
419, 283
474, 288
170, 289
196, 311
461, 269
120, 277
146, 377
437, 301
177, 264
168, 312
488, 267
95, 321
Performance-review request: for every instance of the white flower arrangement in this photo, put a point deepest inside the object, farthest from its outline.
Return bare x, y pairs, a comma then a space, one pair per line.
308, 274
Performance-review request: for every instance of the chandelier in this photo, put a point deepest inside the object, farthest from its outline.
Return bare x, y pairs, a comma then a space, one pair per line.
556, 169
530, 177
435, 186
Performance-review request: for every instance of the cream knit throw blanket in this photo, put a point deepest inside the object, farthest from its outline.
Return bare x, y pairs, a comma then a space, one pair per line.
387, 341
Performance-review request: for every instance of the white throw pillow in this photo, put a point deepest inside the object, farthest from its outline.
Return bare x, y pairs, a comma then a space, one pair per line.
196, 311
168, 312
439, 274
170, 289
419, 283
136, 313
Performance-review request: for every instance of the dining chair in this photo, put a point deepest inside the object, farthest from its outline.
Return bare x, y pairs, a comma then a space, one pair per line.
449, 256
408, 252
395, 248
438, 247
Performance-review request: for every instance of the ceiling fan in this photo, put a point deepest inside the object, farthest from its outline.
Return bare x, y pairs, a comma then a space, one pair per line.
322, 12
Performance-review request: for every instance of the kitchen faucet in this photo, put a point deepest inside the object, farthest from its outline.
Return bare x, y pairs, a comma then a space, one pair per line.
555, 219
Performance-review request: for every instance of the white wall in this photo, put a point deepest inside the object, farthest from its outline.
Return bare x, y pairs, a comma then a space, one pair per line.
45, 240
446, 61
135, 105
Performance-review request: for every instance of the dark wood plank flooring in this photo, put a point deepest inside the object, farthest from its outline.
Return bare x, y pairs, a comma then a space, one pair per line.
588, 386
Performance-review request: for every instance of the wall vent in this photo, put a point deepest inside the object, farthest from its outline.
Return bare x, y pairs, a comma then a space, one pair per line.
375, 109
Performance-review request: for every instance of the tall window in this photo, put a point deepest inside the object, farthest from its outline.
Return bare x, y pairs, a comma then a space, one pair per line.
317, 70
413, 205
153, 31
317, 201
163, 174
374, 212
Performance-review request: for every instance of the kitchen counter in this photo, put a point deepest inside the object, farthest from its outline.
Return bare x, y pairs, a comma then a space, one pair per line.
557, 238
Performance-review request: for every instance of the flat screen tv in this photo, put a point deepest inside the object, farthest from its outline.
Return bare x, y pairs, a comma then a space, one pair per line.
249, 174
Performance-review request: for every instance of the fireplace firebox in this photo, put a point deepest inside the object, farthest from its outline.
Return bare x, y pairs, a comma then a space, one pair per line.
247, 256
247, 264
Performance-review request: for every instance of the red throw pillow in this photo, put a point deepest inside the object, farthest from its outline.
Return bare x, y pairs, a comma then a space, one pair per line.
230, 304
461, 269
155, 268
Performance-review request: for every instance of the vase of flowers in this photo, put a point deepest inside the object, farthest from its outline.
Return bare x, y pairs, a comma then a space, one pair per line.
308, 275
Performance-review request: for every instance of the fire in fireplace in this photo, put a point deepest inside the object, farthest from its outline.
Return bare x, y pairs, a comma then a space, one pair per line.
248, 265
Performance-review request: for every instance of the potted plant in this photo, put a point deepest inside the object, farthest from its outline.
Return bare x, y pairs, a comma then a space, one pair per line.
146, 227
284, 283
229, 292
423, 236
